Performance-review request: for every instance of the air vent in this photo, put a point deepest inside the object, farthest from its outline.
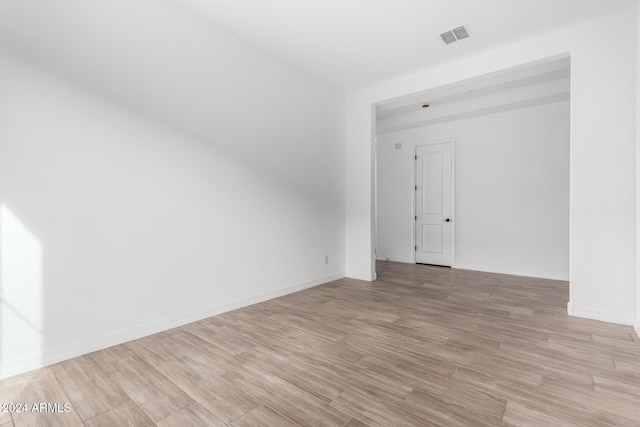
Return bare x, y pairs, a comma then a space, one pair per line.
455, 34
448, 37
460, 32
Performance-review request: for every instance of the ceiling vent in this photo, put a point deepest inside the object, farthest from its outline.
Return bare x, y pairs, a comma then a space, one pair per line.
455, 34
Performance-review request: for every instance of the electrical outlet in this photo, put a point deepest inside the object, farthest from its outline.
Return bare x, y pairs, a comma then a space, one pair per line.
326, 259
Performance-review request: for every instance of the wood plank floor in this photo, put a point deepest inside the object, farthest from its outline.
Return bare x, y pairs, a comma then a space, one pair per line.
421, 346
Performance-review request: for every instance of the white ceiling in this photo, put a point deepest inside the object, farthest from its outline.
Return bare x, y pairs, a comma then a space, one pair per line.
355, 43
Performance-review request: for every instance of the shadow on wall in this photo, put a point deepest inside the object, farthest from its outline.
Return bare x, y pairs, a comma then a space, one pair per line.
21, 328
155, 175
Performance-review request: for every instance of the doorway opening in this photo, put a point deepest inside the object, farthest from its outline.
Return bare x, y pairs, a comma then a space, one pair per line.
509, 207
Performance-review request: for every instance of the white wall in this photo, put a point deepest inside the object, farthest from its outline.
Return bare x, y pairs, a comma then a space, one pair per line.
134, 197
511, 191
637, 325
602, 153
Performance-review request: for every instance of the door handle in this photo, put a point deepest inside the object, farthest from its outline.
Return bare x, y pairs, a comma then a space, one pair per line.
447, 220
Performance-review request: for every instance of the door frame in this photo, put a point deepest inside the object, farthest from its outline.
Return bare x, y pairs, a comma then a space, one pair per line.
453, 196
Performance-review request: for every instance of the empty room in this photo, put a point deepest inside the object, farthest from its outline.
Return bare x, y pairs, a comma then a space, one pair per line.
303, 213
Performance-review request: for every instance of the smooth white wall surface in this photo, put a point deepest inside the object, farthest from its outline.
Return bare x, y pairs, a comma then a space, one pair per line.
602, 163
637, 325
602, 153
511, 191
116, 223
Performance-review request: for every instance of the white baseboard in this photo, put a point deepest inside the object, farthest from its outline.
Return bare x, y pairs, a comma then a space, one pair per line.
358, 275
510, 272
637, 328
18, 366
602, 315
395, 259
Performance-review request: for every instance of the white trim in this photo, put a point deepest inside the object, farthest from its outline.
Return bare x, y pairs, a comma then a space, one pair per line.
14, 367
453, 202
358, 275
569, 308
413, 206
637, 328
452, 141
406, 260
602, 315
511, 273
374, 193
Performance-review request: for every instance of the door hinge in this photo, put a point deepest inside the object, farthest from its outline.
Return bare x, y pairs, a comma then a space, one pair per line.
415, 157
415, 248
416, 187
415, 218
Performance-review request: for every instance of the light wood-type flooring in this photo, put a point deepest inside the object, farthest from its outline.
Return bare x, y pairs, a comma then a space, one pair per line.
421, 346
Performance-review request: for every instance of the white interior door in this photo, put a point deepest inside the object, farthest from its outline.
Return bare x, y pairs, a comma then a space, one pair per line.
434, 204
